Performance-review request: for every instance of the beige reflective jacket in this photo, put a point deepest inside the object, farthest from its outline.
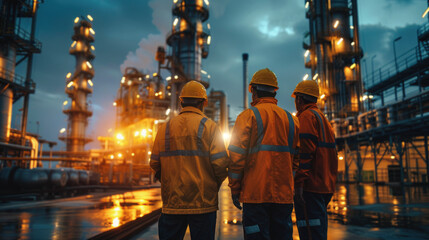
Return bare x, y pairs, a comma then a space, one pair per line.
190, 154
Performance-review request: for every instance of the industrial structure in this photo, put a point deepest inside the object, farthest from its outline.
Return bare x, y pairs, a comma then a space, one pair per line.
380, 125
17, 46
79, 86
19, 150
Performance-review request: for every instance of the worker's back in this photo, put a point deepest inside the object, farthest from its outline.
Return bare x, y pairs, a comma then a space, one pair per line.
188, 147
270, 148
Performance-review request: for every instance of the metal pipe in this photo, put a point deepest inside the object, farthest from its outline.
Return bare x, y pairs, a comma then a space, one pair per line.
28, 79
427, 157
394, 52
245, 87
44, 159
374, 152
356, 40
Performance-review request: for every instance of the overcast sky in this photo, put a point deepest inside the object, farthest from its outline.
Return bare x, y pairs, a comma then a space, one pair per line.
129, 31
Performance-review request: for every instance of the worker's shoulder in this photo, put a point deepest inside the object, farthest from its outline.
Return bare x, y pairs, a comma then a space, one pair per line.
246, 113
307, 115
209, 121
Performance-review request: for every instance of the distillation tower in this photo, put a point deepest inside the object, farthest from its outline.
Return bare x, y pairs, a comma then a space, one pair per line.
17, 46
79, 86
333, 54
380, 126
189, 41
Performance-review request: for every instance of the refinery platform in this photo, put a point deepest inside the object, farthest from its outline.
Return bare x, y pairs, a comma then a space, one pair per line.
356, 212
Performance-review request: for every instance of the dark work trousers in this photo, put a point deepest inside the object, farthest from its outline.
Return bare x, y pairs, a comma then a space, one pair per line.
267, 221
173, 226
316, 204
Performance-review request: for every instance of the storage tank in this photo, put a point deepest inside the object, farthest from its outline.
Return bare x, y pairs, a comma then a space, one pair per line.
57, 177
30, 179
6, 175
73, 176
83, 177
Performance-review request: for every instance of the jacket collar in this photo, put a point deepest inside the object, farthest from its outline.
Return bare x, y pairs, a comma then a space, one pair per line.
192, 109
308, 106
264, 100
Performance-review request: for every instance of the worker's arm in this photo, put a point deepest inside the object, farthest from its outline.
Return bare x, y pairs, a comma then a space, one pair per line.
218, 155
238, 149
308, 136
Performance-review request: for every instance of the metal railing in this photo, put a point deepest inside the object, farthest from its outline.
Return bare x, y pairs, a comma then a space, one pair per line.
423, 29
22, 34
15, 78
404, 61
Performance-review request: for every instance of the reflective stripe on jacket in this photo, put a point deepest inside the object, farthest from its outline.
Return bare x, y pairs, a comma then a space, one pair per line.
190, 154
318, 165
263, 144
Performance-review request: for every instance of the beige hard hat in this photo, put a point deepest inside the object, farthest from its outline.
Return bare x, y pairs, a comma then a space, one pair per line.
193, 89
264, 77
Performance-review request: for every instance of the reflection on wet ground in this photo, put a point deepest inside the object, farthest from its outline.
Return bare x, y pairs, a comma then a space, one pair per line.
75, 218
382, 206
356, 211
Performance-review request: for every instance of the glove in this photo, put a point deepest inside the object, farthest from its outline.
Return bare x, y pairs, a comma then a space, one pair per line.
235, 201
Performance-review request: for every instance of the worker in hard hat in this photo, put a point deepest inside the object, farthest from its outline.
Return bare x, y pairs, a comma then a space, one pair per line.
190, 158
263, 146
317, 171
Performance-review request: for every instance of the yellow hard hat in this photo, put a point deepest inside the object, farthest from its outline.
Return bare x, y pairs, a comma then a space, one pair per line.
308, 87
193, 89
264, 77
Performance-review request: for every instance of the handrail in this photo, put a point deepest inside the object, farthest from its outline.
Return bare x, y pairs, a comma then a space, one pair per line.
404, 61
423, 29
21, 33
15, 78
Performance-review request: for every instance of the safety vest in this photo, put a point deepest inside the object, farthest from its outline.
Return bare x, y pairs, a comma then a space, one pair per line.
263, 144
318, 165
190, 155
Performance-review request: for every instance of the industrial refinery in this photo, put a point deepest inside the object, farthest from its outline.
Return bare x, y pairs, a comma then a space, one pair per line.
379, 116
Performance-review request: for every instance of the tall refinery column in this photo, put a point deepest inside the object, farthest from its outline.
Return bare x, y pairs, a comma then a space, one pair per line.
189, 41
79, 85
335, 55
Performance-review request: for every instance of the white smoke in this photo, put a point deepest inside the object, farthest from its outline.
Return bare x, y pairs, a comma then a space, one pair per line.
143, 58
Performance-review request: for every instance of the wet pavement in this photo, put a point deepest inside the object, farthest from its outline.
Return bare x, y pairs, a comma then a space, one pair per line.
365, 211
75, 218
361, 211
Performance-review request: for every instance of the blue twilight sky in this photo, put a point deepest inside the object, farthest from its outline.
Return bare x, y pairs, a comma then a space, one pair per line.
129, 31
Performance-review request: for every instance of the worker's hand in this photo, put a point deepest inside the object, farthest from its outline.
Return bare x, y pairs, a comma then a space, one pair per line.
235, 201
298, 195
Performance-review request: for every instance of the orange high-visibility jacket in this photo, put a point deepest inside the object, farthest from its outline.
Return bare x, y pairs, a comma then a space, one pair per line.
190, 154
318, 165
263, 144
